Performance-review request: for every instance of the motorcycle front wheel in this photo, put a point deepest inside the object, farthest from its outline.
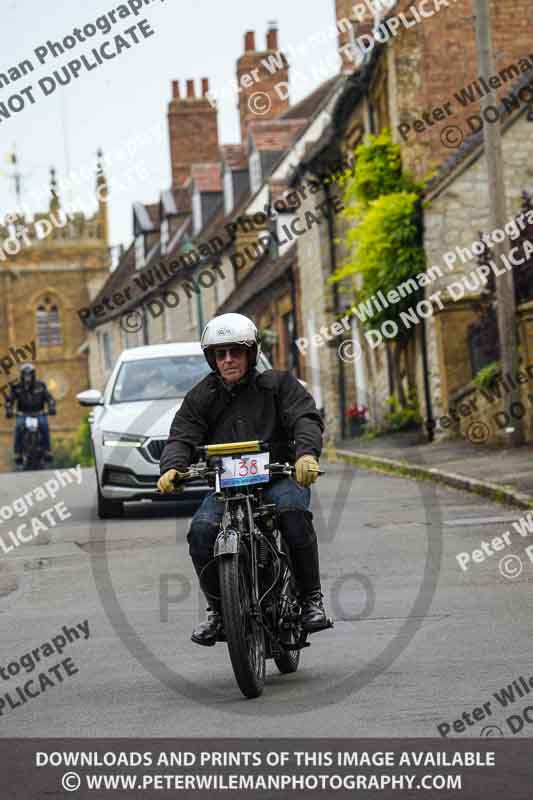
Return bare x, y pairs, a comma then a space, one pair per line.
244, 634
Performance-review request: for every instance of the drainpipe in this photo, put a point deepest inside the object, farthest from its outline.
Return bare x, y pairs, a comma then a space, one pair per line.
296, 335
430, 422
388, 354
336, 304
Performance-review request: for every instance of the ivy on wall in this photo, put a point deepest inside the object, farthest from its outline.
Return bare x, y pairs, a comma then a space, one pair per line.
385, 240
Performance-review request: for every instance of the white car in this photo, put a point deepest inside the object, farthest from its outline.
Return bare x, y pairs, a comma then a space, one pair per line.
131, 421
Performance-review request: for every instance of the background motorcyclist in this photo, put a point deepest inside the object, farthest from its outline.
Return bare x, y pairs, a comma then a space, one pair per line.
237, 403
30, 396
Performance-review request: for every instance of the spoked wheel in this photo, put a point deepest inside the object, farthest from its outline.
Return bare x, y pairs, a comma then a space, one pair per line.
244, 634
290, 629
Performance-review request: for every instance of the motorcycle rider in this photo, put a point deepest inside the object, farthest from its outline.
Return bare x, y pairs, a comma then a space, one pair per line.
236, 403
30, 396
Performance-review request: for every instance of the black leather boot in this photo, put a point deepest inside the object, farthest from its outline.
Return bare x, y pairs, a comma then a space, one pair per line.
299, 534
208, 631
201, 539
313, 613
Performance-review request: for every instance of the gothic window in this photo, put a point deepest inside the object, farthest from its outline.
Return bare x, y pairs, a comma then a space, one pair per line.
48, 325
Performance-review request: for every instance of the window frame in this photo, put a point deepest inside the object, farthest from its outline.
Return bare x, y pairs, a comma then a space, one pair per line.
229, 195
197, 211
140, 258
256, 171
165, 235
51, 336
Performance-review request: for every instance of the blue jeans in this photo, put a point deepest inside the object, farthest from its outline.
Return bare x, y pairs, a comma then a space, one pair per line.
290, 499
286, 494
20, 427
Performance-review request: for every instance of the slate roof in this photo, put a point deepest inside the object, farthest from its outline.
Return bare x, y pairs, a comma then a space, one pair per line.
310, 105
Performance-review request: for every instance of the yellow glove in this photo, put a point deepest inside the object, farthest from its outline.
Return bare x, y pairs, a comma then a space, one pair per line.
165, 484
306, 470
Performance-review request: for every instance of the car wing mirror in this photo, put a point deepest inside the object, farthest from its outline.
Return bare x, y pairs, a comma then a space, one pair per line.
91, 397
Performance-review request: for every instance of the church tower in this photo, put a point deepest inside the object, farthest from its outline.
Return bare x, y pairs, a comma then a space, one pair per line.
51, 265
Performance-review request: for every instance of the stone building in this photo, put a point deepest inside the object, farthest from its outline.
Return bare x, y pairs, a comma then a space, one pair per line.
62, 261
418, 83
235, 202
212, 232
456, 216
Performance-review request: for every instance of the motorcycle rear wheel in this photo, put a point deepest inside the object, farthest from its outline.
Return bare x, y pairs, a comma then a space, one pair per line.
244, 635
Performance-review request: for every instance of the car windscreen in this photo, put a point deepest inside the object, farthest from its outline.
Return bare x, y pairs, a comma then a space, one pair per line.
164, 378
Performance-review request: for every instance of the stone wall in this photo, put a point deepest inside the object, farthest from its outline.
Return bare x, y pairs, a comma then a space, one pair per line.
436, 59
457, 212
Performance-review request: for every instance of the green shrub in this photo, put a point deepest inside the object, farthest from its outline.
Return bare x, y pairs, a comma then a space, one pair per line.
384, 235
71, 451
486, 377
402, 419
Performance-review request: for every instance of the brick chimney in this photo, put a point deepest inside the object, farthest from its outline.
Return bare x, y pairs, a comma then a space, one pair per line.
193, 130
264, 86
353, 20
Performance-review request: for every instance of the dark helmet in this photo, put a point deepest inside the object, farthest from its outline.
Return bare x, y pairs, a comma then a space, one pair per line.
27, 374
228, 329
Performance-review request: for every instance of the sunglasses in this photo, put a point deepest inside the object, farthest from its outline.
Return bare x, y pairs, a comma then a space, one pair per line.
234, 352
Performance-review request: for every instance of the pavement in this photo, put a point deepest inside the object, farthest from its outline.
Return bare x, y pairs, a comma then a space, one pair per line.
502, 474
417, 640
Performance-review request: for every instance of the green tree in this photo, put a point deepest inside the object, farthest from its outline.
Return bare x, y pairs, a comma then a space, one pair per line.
384, 240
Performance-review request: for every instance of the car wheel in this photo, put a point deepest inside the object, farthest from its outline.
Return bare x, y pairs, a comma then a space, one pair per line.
109, 509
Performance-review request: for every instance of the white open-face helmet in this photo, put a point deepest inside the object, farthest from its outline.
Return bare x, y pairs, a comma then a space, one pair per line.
228, 329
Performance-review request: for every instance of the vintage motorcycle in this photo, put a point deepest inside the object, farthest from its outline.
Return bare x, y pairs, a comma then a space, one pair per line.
259, 602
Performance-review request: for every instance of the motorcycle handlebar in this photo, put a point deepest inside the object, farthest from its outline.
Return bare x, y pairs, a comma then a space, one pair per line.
196, 473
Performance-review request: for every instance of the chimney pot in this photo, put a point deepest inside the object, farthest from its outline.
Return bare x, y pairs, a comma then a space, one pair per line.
190, 89
272, 37
175, 89
249, 41
205, 87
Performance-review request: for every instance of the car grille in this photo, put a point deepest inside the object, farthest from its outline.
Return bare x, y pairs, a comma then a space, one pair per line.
155, 448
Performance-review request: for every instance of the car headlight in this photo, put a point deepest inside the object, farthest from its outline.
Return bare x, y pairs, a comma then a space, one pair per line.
122, 440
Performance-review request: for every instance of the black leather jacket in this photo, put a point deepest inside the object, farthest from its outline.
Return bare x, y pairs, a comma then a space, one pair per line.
271, 405
30, 400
